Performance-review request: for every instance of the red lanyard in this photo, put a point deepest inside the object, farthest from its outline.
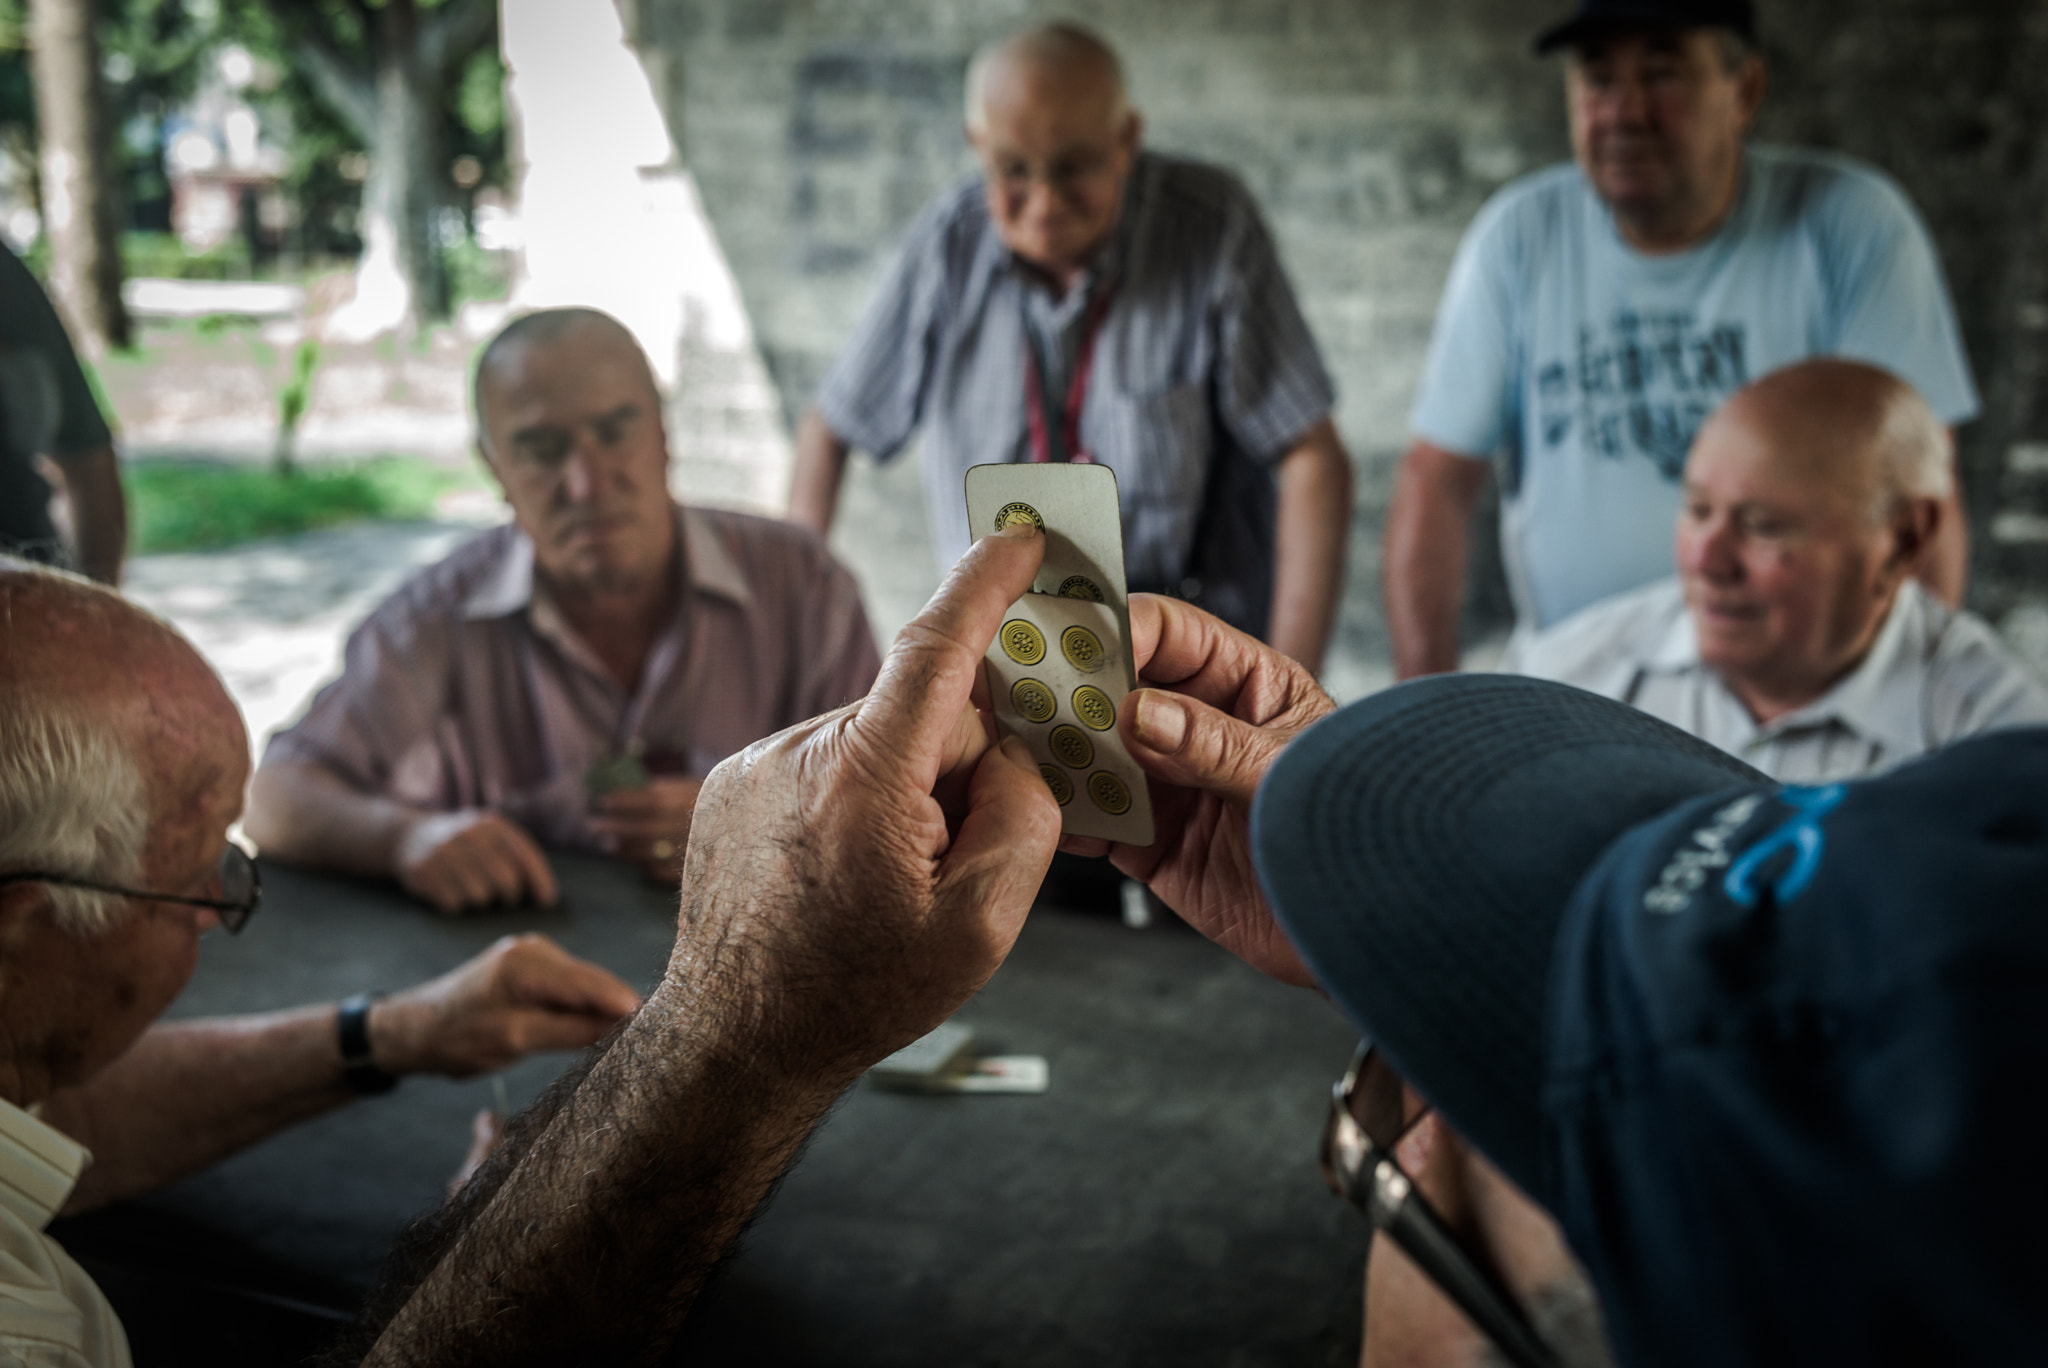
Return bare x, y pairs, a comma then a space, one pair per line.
1077, 391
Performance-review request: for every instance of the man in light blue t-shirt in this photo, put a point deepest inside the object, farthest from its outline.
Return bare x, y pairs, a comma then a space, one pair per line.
1599, 311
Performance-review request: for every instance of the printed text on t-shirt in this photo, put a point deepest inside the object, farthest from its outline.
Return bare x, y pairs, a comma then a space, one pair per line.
1642, 386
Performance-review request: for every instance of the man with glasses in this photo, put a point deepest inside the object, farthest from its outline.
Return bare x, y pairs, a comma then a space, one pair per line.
122, 765
1083, 300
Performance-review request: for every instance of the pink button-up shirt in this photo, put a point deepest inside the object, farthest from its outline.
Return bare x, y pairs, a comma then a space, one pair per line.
466, 688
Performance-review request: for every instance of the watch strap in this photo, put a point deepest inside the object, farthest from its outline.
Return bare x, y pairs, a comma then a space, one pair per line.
360, 1070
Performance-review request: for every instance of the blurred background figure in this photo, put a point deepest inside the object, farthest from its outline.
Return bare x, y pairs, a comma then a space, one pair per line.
122, 765
50, 423
1795, 635
568, 678
1083, 299
1598, 312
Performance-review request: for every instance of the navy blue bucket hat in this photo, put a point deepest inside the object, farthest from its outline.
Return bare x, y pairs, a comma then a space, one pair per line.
1772, 1056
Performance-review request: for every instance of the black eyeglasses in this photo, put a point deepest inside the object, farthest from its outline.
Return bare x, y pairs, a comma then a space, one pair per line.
1366, 1123
240, 887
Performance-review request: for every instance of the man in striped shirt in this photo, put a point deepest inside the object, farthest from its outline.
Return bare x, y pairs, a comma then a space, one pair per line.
569, 678
1083, 300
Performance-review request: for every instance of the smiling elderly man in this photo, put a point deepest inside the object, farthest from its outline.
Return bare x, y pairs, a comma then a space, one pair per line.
1794, 635
1083, 300
122, 762
566, 679
1599, 311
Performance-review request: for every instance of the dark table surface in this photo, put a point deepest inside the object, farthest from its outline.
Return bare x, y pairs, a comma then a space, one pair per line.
1160, 1203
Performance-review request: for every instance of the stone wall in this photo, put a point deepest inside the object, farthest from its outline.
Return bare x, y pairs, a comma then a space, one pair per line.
1370, 132
1952, 99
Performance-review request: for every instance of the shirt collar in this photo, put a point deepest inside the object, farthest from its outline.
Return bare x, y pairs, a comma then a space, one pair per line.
709, 567
1880, 698
1676, 648
508, 586
706, 567
39, 1166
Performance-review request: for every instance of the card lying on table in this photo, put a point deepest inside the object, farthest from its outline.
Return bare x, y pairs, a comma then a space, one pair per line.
1060, 667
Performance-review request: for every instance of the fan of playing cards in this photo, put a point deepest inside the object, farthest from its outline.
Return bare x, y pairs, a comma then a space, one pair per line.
1060, 667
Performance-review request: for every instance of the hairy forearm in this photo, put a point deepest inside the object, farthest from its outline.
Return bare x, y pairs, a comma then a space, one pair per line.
1428, 537
640, 1182
190, 1093
422, 1245
304, 814
1308, 568
814, 482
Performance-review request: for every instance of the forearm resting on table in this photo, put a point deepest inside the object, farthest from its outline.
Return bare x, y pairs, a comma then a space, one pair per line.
814, 480
639, 1182
1428, 537
1308, 569
306, 814
190, 1093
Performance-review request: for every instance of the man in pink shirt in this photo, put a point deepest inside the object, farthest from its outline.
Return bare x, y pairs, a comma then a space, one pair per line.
569, 678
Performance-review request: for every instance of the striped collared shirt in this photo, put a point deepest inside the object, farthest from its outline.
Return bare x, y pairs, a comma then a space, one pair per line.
466, 688
1204, 373
1932, 676
52, 1314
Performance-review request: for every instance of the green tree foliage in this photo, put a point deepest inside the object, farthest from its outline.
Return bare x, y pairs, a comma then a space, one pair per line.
155, 51
150, 51
392, 73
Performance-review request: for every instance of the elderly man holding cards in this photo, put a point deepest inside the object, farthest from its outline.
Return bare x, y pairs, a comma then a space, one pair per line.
855, 879
1082, 299
849, 884
568, 678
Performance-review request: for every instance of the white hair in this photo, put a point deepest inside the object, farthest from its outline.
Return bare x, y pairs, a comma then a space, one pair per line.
72, 802
1913, 450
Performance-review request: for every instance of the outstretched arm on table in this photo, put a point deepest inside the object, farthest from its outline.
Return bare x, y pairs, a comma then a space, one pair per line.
848, 884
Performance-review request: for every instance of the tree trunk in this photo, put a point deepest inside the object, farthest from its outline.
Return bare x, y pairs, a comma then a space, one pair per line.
79, 215
399, 281
408, 144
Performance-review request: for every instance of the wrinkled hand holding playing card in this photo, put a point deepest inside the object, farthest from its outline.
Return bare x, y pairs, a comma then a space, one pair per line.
1061, 665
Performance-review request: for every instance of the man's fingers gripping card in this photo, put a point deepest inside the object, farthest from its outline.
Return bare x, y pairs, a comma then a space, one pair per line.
1061, 666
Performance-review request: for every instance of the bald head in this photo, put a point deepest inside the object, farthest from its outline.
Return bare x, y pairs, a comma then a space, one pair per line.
76, 660
1054, 62
569, 421
501, 360
1810, 497
1057, 142
65, 638
1844, 425
117, 741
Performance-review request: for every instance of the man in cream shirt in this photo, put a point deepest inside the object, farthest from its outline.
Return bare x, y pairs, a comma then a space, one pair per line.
50, 1309
1794, 634
122, 763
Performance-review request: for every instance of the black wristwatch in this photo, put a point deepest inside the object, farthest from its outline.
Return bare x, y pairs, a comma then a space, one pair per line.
365, 1079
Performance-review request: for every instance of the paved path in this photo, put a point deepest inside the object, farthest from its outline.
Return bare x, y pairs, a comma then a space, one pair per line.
272, 616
